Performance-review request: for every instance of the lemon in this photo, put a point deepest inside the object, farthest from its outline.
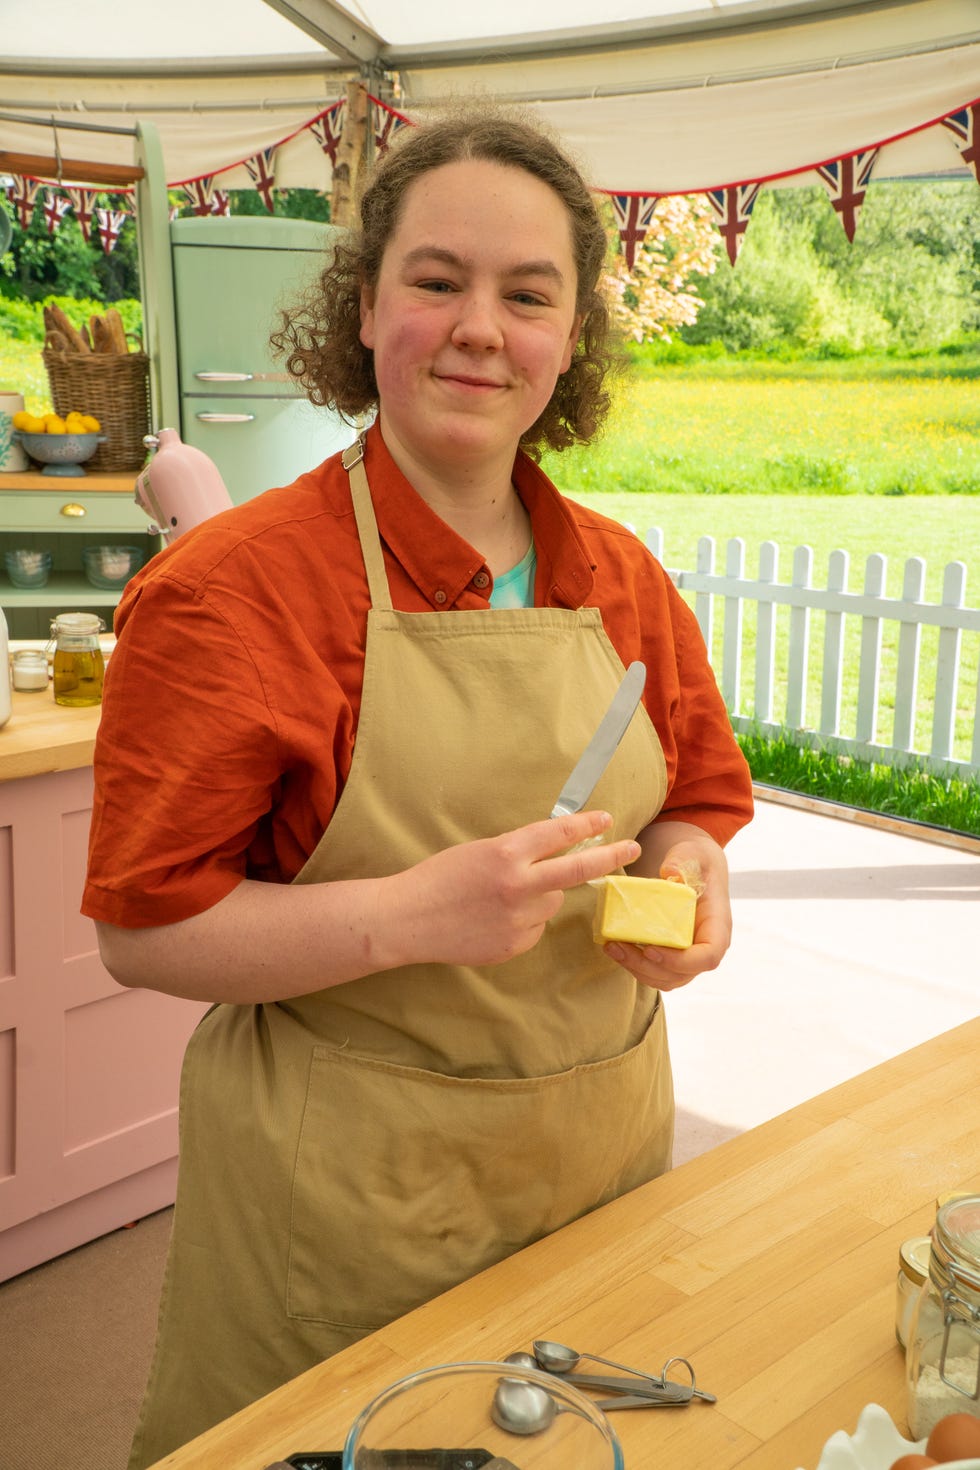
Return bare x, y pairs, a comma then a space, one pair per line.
23, 420
31, 425
75, 423
92, 425
54, 425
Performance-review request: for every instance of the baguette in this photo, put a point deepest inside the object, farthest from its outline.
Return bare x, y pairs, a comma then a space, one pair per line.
117, 332
101, 336
60, 323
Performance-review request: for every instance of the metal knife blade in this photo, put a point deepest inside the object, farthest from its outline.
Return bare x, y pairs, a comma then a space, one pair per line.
601, 748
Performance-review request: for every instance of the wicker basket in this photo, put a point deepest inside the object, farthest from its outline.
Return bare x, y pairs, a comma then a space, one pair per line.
115, 387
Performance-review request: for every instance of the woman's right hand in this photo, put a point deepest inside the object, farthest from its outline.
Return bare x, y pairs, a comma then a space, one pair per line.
475, 904
484, 902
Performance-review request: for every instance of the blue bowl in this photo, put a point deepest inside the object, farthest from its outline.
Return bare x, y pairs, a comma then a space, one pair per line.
61, 454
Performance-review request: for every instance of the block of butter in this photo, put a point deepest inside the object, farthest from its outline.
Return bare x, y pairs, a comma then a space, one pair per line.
644, 911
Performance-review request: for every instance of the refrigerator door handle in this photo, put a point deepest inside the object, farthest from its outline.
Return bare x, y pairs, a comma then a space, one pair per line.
210, 377
224, 377
225, 418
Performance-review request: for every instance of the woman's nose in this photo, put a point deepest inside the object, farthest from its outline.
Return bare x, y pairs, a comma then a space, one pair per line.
477, 323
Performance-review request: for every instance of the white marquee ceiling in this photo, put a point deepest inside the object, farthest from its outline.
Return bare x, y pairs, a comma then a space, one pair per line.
662, 96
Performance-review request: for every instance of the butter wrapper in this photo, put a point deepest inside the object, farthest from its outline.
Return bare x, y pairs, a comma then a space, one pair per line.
644, 911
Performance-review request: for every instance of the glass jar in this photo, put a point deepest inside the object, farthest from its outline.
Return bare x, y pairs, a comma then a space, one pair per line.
913, 1268
30, 668
79, 667
943, 1358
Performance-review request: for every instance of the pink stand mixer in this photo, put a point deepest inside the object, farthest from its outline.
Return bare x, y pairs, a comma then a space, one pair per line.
179, 487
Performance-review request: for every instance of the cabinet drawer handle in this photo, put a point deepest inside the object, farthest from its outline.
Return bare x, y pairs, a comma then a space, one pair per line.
225, 418
73, 509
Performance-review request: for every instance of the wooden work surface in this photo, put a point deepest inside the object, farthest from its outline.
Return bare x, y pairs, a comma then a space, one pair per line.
42, 736
120, 482
770, 1261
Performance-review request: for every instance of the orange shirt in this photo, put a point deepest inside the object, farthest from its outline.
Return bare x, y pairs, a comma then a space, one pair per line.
231, 699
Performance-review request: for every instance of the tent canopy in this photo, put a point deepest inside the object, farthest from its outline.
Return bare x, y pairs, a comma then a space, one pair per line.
662, 96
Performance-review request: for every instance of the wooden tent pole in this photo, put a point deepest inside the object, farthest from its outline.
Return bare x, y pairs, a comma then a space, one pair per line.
350, 155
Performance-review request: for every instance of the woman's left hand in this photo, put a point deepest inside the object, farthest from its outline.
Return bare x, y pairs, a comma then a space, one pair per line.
669, 849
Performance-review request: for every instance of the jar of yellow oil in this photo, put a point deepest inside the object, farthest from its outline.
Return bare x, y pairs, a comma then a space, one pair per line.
79, 664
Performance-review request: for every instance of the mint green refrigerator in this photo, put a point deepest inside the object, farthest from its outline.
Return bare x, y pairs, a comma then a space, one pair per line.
237, 404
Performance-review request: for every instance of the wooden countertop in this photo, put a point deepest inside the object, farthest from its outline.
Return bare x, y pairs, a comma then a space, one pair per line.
115, 483
42, 736
770, 1261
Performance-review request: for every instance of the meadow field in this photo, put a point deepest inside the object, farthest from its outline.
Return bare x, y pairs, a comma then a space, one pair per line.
886, 464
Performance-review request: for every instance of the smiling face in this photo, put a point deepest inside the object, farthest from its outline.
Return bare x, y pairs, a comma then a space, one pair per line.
472, 317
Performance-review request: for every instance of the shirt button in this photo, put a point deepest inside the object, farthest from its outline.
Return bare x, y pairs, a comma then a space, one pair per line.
439, 596
481, 580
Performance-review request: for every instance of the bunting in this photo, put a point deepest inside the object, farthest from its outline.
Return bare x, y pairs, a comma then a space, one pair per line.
56, 206
634, 215
846, 181
262, 172
327, 129
110, 222
200, 194
386, 125
83, 206
22, 193
966, 135
733, 208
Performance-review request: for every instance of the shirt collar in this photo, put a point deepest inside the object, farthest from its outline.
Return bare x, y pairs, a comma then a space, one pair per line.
442, 564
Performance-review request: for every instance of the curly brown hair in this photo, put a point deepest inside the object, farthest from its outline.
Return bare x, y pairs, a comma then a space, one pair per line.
319, 338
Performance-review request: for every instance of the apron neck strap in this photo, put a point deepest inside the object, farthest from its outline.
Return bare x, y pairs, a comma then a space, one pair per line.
367, 527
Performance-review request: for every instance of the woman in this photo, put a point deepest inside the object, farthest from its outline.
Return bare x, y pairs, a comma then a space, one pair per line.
342, 713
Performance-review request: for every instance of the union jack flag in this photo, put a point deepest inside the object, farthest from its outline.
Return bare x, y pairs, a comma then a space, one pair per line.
846, 181
221, 203
966, 135
327, 129
56, 206
634, 214
22, 193
83, 206
262, 172
386, 125
200, 195
110, 222
733, 207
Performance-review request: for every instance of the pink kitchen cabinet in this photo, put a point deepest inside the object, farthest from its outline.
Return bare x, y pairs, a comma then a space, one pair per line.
89, 1071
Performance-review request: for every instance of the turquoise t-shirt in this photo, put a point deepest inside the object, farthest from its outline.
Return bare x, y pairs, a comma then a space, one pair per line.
516, 587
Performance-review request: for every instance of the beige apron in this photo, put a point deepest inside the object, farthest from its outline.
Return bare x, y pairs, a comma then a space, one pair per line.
351, 1153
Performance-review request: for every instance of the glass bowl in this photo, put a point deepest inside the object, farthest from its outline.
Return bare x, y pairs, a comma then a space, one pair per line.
487, 1413
27, 568
61, 454
110, 567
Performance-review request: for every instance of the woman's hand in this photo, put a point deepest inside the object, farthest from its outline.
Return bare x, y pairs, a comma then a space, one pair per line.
671, 849
484, 902
475, 904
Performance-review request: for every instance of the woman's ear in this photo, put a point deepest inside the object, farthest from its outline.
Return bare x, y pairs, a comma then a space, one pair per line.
367, 317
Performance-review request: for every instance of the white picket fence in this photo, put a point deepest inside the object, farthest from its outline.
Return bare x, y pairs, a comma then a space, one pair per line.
913, 661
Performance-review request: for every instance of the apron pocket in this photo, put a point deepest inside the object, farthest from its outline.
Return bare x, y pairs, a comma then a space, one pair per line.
408, 1181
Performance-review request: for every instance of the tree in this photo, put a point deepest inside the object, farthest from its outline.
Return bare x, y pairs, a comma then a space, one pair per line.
656, 297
